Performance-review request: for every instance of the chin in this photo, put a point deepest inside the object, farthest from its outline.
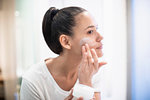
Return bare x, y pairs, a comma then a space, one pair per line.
99, 53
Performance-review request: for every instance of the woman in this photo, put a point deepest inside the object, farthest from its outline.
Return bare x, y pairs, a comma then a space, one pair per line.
71, 33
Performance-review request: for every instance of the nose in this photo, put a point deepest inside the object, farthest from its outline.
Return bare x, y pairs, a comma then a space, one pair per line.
99, 37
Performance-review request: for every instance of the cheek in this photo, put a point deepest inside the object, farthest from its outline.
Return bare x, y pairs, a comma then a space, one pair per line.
99, 53
88, 41
76, 47
92, 44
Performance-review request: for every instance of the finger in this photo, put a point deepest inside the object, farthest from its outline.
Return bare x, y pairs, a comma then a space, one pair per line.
71, 91
88, 49
84, 56
70, 96
95, 57
101, 64
90, 59
80, 98
83, 50
84, 62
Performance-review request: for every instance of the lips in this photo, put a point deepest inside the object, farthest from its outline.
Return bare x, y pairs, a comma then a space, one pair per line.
100, 47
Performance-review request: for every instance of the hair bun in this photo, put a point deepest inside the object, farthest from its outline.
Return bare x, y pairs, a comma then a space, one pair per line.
54, 11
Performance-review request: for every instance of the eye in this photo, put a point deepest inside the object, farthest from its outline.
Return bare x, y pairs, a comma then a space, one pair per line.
90, 32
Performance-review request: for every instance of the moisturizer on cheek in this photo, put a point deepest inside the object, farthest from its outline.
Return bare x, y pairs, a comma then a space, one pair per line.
88, 41
91, 43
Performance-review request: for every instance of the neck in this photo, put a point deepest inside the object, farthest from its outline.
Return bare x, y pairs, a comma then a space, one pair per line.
66, 65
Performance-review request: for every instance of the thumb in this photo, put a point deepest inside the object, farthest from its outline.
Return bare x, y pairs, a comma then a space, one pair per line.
80, 98
101, 64
70, 96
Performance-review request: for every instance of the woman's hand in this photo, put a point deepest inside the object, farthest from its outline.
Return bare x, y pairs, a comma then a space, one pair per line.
89, 65
71, 96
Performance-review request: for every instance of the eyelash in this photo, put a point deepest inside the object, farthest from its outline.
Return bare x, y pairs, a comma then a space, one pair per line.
90, 32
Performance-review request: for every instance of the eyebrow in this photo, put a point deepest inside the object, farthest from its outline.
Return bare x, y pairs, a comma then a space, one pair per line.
91, 26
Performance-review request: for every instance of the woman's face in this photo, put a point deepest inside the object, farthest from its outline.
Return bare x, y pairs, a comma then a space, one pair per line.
84, 32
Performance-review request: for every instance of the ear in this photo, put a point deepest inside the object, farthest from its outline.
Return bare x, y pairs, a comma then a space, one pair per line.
65, 41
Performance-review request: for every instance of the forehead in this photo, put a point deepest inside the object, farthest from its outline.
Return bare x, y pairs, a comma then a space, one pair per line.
84, 19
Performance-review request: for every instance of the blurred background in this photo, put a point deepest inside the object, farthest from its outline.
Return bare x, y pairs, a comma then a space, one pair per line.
124, 24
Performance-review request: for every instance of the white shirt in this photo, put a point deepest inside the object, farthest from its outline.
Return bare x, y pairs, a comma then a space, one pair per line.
39, 84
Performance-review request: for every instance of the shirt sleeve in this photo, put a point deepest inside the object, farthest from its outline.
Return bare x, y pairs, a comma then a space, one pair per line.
28, 91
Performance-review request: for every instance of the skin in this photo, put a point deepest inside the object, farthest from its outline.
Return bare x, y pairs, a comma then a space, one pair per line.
79, 58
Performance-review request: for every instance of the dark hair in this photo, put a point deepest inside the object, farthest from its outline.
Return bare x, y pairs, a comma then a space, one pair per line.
57, 22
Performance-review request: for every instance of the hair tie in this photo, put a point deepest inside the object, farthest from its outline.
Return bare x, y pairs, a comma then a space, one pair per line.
54, 12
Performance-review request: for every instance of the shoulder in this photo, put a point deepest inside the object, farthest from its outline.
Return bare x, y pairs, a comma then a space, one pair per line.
36, 73
34, 82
